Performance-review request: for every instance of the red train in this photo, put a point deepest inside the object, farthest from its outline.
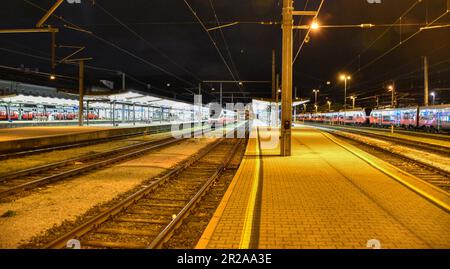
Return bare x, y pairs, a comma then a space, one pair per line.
431, 118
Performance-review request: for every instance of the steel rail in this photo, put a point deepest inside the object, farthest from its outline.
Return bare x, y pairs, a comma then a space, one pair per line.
127, 202
166, 234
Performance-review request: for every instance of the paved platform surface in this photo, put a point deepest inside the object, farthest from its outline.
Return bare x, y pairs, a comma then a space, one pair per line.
325, 196
34, 132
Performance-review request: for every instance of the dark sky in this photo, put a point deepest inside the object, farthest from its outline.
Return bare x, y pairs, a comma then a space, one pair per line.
161, 42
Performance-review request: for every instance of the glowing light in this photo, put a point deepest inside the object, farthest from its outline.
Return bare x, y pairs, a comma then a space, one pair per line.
315, 26
52, 77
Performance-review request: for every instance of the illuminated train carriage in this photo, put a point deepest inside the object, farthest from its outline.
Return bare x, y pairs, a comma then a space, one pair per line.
222, 118
399, 117
355, 117
434, 118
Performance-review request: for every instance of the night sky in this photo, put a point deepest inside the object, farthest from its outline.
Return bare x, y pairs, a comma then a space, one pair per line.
161, 42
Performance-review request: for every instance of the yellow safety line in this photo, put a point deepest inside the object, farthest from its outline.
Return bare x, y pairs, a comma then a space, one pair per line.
249, 215
429, 197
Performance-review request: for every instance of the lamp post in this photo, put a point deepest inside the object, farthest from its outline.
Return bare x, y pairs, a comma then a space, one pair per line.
433, 94
345, 78
317, 108
329, 106
392, 90
316, 92
353, 98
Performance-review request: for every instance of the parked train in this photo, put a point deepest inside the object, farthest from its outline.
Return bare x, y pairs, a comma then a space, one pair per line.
225, 117
431, 118
33, 115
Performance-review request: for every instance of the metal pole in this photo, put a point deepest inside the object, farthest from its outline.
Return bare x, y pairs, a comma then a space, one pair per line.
123, 81
286, 93
53, 52
221, 89
134, 114
392, 98
274, 86
87, 112
277, 107
345, 95
81, 93
425, 75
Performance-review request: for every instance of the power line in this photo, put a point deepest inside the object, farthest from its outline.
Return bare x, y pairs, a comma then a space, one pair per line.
402, 42
212, 40
406, 12
95, 2
114, 45
226, 43
386, 75
307, 34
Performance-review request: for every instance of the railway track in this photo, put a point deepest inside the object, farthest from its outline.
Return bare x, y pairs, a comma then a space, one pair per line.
385, 137
148, 218
27, 179
426, 172
10, 155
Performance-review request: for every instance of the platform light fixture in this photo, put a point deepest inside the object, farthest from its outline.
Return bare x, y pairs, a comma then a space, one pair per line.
391, 88
52, 77
345, 78
315, 25
316, 92
353, 98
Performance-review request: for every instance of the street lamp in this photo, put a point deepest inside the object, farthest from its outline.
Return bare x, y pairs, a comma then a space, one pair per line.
315, 25
345, 78
315, 94
329, 106
433, 94
317, 108
353, 100
392, 90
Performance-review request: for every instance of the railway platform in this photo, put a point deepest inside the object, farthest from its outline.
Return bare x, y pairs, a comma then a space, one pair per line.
328, 194
29, 138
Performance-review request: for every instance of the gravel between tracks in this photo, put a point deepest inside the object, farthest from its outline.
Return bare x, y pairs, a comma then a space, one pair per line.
435, 160
60, 204
15, 164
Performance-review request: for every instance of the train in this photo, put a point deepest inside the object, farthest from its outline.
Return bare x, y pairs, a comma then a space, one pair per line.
429, 118
29, 116
225, 117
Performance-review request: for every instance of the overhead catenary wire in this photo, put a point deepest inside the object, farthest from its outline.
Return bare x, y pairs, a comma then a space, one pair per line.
225, 42
308, 32
212, 40
96, 4
115, 46
402, 42
406, 12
